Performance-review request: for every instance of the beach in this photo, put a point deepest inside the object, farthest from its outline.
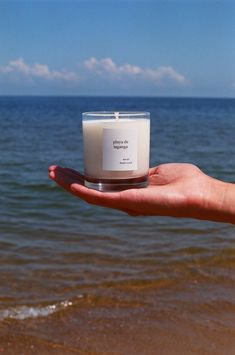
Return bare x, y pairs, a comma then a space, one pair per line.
80, 279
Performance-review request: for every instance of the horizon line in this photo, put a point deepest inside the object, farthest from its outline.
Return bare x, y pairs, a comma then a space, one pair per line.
117, 96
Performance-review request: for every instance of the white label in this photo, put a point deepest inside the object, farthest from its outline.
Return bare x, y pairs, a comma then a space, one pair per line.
120, 149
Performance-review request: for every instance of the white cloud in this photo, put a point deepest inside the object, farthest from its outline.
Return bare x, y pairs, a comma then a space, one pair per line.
103, 65
158, 76
166, 72
130, 69
91, 63
19, 66
97, 72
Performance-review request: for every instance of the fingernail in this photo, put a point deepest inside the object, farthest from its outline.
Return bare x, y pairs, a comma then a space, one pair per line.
52, 167
52, 174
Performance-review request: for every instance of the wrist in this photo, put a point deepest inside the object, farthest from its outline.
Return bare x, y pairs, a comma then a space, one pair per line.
219, 204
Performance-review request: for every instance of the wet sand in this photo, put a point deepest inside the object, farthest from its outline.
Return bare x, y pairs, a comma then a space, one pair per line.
201, 320
139, 336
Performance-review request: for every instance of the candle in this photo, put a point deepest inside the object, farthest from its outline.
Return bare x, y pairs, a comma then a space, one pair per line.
116, 149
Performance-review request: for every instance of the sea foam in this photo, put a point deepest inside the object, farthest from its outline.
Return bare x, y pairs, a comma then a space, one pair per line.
23, 312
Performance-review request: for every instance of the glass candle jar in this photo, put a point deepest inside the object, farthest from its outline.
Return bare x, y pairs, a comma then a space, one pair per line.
116, 149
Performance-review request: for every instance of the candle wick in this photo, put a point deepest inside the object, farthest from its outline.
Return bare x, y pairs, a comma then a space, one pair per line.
116, 114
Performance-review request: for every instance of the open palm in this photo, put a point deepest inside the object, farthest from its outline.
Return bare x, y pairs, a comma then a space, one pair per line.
175, 189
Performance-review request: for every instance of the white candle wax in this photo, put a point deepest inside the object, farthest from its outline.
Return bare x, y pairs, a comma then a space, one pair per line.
116, 148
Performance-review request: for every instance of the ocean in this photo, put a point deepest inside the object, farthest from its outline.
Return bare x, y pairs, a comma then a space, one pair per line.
80, 279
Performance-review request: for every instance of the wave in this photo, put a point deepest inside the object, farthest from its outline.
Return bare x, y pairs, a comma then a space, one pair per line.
23, 312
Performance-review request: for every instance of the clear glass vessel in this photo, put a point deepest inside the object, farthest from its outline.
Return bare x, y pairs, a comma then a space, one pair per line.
116, 149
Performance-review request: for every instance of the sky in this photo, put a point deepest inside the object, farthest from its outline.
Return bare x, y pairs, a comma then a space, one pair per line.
181, 48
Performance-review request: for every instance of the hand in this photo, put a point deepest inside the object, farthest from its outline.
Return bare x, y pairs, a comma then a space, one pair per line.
178, 190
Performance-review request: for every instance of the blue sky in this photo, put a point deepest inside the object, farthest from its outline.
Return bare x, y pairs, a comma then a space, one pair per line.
117, 47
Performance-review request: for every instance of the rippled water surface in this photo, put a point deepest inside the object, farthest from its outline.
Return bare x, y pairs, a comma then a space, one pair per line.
80, 279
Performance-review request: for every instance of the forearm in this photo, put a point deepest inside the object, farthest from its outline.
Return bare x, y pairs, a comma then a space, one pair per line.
220, 204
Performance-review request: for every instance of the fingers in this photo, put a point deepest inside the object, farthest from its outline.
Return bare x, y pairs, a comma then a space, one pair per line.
73, 182
74, 173
71, 172
64, 179
57, 171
